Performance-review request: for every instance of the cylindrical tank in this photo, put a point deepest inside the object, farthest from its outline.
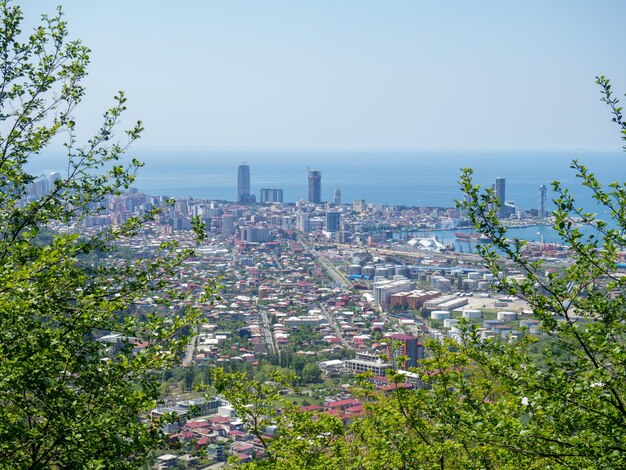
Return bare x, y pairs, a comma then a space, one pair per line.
472, 314
491, 323
439, 315
354, 270
532, 325
382, 272
469, 284
401, 270
507, 316
369, 270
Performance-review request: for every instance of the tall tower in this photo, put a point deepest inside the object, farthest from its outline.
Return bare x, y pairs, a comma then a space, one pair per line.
541, 201
315, 186
243, 183
333, 221
337, 197
500, 195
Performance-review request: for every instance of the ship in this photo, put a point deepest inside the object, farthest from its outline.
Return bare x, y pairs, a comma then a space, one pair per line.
472, 237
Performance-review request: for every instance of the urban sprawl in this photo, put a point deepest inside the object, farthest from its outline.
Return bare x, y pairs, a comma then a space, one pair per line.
321, 288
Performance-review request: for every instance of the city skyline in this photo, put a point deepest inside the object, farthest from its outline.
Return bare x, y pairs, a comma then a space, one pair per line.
272, 195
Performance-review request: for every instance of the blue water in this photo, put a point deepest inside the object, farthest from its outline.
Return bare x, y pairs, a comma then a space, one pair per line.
537, 233
412, 178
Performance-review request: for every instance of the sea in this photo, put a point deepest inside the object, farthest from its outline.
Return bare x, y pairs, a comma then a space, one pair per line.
391, 177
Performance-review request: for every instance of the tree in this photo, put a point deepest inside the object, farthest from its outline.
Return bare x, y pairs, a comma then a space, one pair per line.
575, 404
497, 403
304, 440
311, 373
67, 398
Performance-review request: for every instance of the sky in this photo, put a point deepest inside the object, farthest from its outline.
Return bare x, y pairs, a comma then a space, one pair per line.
353, 74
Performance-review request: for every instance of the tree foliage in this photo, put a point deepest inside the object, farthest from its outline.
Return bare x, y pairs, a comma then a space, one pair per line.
558, 402
68, 400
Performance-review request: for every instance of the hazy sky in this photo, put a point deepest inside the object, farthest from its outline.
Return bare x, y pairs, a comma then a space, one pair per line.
354, 74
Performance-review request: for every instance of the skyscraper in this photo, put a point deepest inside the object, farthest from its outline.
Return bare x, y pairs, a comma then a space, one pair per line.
541, 201
243, 183
271, 195
333, 221
315, 186
500, 195
337, 198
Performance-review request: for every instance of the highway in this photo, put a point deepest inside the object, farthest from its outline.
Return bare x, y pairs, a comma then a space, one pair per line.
330, 269
191, 349
266, 329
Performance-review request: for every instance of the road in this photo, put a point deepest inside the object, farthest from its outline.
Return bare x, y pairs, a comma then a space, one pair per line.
332, 321
266, 329
191, 349
329, 267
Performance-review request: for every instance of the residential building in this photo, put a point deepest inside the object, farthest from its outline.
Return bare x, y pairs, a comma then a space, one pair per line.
271, 195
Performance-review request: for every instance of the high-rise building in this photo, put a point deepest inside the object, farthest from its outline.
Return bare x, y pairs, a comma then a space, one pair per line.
332, 221
500, 194
271, 195
243, 184
541, 201
315, 186
359, 205
255, 234
405, 345
337, 197
228, 224
303, 223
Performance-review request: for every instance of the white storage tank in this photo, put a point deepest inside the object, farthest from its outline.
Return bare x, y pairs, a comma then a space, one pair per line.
382, 272
436, 334
486, 334
401, 271
532, 325
472, 314
369, 270
491, 323
507, 316
455, 330
501, 330
468, 284
354, 270
450, 322
439, 315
